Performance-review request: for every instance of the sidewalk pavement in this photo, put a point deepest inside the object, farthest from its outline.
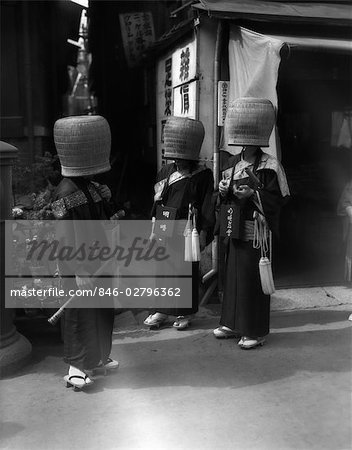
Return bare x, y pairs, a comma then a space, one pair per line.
187, 390
281, 300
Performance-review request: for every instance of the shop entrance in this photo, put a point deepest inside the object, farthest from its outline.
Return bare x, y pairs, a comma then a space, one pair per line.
315, 95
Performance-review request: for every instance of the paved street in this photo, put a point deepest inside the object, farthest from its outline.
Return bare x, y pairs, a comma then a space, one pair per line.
187, 390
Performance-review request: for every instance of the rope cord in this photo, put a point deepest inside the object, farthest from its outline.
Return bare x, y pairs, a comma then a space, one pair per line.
262, 235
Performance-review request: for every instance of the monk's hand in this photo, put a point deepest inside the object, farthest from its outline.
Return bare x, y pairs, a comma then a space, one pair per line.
243, 191
224, 187
103, 190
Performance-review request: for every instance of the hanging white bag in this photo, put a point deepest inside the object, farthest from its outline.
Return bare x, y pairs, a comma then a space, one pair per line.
188, 237
195, 241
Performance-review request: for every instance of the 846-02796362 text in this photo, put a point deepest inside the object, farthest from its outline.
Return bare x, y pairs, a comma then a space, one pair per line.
99, 291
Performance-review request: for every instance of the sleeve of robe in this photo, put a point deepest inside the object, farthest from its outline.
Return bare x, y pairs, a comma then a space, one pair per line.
206, 208
163, 174
271, 198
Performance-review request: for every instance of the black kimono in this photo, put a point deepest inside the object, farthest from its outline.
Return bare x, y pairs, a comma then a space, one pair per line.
178, 191
245, 309
87, 330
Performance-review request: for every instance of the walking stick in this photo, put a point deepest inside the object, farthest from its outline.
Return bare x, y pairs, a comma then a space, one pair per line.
56, 316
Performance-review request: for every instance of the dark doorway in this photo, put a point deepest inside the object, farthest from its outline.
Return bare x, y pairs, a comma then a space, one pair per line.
312, 88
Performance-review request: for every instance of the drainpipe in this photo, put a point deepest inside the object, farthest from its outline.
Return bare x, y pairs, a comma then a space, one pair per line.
27, 65
214, 249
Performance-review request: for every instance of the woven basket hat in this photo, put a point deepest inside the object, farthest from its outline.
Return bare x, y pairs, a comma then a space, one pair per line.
250, 121
83, 144
183, 138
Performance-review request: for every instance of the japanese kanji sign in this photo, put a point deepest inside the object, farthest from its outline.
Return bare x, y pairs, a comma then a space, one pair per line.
185, 100
184, 64
137, 32
177, 88
168, 87
223, 99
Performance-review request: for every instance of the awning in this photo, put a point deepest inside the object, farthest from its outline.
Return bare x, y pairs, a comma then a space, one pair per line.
307, 12
310, 43
176, 33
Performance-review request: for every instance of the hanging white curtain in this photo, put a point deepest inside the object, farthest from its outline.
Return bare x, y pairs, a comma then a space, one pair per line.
254, 62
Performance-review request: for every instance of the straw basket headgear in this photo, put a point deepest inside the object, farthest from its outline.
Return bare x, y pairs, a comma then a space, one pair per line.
83, 144
250, 121
183, 138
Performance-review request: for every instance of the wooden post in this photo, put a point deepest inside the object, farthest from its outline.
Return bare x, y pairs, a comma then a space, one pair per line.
15, 349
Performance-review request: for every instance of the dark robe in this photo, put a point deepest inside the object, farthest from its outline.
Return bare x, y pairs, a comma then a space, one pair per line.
245, 308
196, 190
87, 330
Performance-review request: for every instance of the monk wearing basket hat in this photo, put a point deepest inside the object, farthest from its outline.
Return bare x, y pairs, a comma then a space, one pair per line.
252, 190
185, 188
83, 145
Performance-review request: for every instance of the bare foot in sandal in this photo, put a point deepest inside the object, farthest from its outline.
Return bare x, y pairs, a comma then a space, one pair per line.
77, 378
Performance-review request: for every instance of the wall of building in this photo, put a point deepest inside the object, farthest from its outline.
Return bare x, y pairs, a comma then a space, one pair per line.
312, 86
34, 79
34, 55
126, 97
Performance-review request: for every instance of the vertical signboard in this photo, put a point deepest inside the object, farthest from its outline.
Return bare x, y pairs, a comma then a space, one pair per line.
177, 88
137, 30
168, 86
223, 99
164, 102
